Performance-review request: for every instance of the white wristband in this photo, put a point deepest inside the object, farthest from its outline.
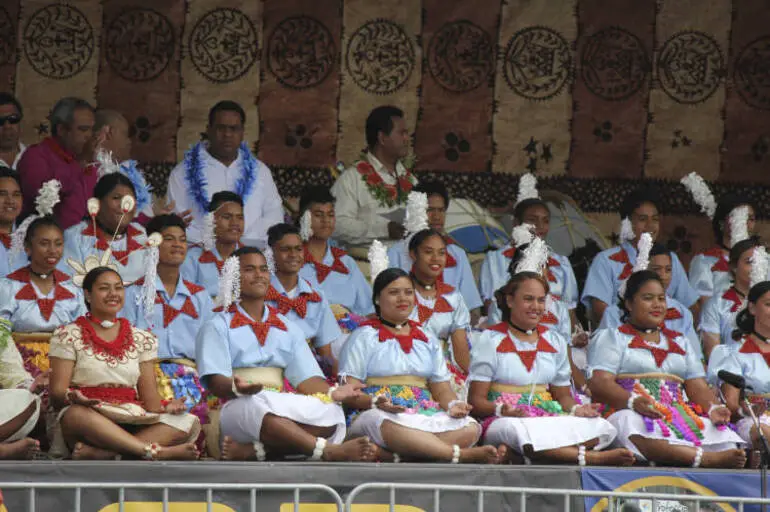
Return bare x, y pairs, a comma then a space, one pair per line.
715, 406
499, 409
631, 399
374, 402
235, 390
332, 390
453, 403
573, 409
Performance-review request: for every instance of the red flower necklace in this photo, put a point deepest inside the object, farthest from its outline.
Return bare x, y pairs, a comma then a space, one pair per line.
387, 195
116, 348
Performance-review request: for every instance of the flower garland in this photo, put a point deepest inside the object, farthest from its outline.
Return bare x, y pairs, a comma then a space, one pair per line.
537, 406
196, 180
141, 188
415, 400
387, 195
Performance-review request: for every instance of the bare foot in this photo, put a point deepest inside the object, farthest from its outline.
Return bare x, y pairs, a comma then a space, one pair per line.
186, 451
735, 459
755, 459
359, 449
237, 451
83, 451
616, 457
382, 455
480, 455
19, 450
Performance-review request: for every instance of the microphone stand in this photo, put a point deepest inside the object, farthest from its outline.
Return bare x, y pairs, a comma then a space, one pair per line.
764, 447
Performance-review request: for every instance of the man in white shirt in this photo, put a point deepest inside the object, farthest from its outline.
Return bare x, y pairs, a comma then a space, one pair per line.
11, 114
224, 162
377, 185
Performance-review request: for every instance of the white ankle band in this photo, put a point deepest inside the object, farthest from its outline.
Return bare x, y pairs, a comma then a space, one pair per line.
318, 451
582, 455
259, 449
455, 454
396, 458
698, 457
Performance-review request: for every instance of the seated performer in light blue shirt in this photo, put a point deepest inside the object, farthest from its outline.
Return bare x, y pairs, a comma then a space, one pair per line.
329, 268
677, 317
224, 228
641, 214
243, 353
457, 272
296, 299
10, 208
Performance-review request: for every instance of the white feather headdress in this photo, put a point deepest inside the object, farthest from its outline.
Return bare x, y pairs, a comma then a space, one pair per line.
149, 291
739, 224
378, 259
107, 165
229, 283
626, 230
416, 212
535, 257
269, 259
527, 188
47, 198
701, 193
209, 237
305, 226
522, 234
759, 266
643, 252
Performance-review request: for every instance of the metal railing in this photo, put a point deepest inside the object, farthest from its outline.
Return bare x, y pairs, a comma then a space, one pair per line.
209, 489
526, 492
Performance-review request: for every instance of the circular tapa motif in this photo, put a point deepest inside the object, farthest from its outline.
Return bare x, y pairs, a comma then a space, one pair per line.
538, 63
614, 64
752, 73
460, 56
301, 52
7, 37
380, 57
58, 41
690, 67
140, 44
223, 45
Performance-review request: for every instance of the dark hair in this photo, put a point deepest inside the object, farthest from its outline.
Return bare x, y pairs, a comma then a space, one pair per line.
315, 194
7, 172
512, 286
246, 249
40, 222
64, 112
384, 278
6, 98
740, 248
518, 254
90, 279
225, 196
633, 285
724, 208
418, 238
659, 250
380, 120
226, 106
109, 182
160, 222
433, 188
637, 198
745, 320
521, 208
276, 232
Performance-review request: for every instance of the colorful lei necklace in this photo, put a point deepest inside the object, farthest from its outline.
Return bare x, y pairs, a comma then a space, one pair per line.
387, 195
142, 189
196, 180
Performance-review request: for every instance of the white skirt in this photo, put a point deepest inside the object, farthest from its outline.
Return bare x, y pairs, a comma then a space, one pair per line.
629, 423
369, 424
744, 427
549, 432
13, 402
242, 418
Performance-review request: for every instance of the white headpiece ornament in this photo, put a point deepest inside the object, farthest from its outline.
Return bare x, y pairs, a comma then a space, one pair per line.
209, 237
305, 225
378, 259
523, 234
535, 257
416, 212
107, 165
759, 266
269, 258
643, 249
739, 224
701, 193
527, 188
151, 258
626, 230
230, 283
47, 198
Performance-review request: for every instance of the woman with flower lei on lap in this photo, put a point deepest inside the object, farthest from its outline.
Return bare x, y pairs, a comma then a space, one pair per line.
520, 379
655, 387
243, 354
103, 384
409, 410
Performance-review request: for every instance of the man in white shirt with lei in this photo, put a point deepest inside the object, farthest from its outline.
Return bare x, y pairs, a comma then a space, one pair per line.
376, 185
224, 162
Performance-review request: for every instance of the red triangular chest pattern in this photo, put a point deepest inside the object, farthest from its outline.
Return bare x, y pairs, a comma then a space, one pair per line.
622, 257
208, 257
102, 244
406, 341
722, 264
27, 292
441, 305
170, 313
672, 314
260, 329
299, 304
322, 271
509, 252
750, 346
659, 354
733, 296
5, 239
527, 357
549, 318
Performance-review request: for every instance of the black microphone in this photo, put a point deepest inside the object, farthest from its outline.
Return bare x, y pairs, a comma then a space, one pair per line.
731, 378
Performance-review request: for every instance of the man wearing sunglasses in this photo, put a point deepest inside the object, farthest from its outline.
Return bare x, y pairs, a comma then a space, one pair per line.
11, 147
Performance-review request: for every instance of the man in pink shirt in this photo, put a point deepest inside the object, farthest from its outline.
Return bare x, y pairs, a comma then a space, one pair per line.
59, 157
